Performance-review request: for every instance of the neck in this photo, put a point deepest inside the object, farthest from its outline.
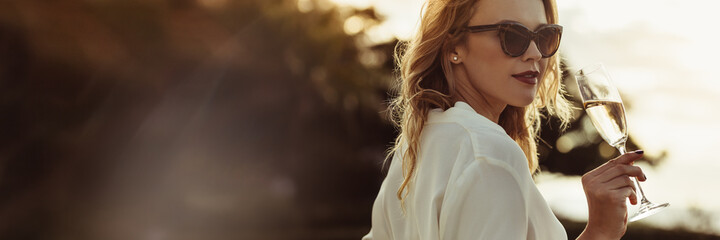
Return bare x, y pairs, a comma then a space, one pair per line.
482, 105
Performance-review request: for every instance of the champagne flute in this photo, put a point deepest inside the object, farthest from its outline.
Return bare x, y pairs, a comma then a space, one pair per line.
602, 103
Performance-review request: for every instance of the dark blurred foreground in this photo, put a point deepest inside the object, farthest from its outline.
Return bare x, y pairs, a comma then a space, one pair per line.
210, 119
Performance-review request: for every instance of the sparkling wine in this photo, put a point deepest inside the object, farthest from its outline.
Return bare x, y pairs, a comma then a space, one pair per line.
609, 119
602, 103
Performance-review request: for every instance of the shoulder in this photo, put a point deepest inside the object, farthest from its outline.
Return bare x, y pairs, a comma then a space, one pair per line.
466, 120
461, 125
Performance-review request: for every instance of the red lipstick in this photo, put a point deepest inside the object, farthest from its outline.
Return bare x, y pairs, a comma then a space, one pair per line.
529, 77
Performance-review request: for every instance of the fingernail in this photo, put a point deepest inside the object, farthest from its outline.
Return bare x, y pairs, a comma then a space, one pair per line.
644, 177
639, 151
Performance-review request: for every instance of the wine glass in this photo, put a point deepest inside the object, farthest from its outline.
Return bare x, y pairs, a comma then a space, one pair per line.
602, 103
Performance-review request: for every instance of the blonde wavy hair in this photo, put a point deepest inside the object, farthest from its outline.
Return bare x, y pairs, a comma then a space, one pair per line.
426, 81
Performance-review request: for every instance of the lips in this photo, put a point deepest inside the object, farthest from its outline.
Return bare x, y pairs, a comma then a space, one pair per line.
529, 77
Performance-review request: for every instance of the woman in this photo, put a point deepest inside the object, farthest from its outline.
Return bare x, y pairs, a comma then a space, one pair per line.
473, 81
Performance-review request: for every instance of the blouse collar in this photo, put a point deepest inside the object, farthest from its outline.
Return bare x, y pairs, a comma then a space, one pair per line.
463, 110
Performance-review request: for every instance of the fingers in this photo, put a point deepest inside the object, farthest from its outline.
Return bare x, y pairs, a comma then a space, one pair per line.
630, 157
621, 170
625, 159
612, 183
616, 190
633, 197
626, 188
626, 193
620, 182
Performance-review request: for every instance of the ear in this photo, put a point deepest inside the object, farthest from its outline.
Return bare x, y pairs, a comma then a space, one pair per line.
456, 50
454, 57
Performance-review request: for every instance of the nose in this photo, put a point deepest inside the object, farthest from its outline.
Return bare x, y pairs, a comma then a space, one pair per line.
532, 53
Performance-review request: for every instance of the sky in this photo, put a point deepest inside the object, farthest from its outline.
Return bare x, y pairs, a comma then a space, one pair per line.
663, 56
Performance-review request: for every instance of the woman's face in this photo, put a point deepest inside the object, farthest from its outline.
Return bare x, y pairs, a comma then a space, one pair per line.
484, 72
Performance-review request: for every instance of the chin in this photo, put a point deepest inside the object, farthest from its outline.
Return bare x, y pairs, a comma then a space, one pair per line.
523, 102
520, 105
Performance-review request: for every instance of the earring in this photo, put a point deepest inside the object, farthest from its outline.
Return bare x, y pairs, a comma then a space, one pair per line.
455, 58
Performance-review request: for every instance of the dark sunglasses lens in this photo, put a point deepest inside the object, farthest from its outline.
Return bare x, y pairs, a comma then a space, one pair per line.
548, 41
516, 40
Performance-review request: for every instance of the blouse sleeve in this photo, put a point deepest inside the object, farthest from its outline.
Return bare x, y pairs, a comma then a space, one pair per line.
485, 201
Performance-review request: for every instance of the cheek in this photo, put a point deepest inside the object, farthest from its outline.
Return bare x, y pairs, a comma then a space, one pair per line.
485, 47
486, 57
543, 66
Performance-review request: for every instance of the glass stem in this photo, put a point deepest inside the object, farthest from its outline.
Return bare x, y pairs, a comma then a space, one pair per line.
643, 200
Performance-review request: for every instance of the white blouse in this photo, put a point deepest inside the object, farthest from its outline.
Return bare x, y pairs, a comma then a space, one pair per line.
472, 182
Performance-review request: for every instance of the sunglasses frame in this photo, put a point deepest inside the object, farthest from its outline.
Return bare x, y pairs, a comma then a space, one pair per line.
532, 35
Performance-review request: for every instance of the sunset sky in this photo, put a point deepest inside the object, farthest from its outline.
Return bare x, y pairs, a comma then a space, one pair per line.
663, 57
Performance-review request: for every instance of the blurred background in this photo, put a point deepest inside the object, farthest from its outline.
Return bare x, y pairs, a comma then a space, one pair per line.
241, 119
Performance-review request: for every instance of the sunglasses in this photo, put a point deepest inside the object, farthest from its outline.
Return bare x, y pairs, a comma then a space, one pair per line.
515, 38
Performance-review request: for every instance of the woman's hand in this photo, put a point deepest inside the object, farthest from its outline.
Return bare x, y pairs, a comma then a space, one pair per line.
607, 187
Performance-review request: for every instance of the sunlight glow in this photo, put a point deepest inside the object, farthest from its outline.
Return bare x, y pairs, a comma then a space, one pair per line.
401, 16
354, 25
305, 6
661, 54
